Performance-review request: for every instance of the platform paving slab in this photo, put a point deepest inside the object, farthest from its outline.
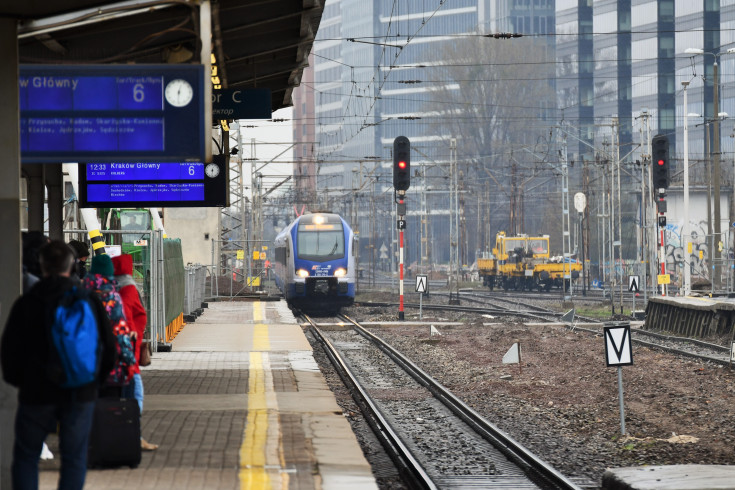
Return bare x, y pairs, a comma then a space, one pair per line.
674, 477
238, 403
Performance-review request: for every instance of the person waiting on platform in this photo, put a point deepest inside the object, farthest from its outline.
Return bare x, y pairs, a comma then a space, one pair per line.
49, 394
137, 319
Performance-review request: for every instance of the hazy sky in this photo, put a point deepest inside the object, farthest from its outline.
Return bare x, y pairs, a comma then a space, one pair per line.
271, 138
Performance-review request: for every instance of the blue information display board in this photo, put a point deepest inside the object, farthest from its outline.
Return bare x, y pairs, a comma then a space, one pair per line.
109, 113
137, 184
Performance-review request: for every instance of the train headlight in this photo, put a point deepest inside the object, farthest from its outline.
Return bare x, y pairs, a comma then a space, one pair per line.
341, 272
302, 273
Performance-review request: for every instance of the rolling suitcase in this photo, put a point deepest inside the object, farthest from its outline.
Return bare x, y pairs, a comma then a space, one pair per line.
115, 436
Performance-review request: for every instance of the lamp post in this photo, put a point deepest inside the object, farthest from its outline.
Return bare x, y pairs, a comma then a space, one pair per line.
685, 225
716, 162
707, 153
685, 232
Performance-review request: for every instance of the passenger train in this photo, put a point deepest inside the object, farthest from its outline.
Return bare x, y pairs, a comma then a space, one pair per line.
315, 262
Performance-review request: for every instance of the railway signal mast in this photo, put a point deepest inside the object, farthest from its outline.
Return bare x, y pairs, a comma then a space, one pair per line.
401, 183
660, 166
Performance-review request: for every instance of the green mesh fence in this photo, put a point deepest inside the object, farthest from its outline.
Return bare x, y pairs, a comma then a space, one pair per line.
174, 278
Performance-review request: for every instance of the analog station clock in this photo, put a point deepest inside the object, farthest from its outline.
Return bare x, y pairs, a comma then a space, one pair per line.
212, 170
179, 92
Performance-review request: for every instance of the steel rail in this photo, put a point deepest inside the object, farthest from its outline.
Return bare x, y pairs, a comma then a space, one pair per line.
410, 469
697, 342
468, 309
536, 469
673, 350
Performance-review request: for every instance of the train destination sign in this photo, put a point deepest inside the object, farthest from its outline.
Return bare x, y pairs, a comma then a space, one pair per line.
182, 184
111, 113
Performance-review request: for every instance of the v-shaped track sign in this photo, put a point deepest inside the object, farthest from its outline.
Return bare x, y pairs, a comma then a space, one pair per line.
618, 349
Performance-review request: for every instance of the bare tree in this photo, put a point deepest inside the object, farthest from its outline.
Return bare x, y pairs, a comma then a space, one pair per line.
495, 97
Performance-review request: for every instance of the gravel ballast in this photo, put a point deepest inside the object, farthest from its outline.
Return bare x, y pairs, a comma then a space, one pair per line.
562, 401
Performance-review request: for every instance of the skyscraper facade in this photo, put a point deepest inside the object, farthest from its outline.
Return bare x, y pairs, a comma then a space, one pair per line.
376, 77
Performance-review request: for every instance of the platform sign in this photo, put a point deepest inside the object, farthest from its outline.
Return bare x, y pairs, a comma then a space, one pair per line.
618, 346
111, 113
113, 250
159, 184
633, 284
243, 103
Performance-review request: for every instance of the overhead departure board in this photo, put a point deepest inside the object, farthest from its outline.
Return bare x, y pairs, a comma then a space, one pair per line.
111, 113
139, 184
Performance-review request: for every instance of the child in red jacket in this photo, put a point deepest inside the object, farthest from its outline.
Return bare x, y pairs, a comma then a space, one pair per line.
137, 318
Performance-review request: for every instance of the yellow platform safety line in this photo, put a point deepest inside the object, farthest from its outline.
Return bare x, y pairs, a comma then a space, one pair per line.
261, 452
261, 341
253, 473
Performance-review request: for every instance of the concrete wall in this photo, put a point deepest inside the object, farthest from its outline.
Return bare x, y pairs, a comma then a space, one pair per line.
197, 228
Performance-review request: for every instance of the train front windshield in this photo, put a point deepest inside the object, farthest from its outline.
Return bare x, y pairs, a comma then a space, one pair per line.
539, 246
321, 242
135, 220
512, 244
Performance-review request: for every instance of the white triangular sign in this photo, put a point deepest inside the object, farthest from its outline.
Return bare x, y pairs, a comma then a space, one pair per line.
633, 284
513, 356
568, 317
421, 284
434, 331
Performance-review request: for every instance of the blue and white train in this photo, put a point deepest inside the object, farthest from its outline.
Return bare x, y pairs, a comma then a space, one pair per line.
315, 262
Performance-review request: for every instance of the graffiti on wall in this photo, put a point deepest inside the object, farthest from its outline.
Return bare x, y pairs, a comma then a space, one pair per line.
700, 248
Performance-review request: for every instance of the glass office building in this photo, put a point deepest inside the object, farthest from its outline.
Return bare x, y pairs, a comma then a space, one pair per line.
374, 77
612, 73
625, 58
575, 75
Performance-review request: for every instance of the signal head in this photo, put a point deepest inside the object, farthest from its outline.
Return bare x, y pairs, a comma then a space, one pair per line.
660, 171
401, 163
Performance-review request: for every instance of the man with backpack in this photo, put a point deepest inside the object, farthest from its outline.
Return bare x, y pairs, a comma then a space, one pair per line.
57, 348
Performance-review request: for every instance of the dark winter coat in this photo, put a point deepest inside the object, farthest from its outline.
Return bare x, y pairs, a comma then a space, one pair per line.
26, 345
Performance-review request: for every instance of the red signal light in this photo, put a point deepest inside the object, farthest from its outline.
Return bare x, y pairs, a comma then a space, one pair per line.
661, 162
401, 164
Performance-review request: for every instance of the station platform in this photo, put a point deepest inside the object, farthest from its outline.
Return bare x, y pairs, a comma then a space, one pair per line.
674, 477
692, 316
238, 403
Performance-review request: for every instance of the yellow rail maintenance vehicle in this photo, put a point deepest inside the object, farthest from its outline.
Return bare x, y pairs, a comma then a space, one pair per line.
523, 262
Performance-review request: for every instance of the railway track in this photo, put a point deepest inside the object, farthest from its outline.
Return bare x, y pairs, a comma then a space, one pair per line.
683, 346
696, 349
541, 316
483, 297
435, 439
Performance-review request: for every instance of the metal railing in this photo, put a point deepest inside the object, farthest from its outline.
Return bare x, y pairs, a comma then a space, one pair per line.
235, 270
196, 288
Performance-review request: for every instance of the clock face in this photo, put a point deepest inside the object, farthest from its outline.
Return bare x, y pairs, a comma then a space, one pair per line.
212, 170
179, 92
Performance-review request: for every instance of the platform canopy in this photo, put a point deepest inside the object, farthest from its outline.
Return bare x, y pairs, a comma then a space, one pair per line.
257, 43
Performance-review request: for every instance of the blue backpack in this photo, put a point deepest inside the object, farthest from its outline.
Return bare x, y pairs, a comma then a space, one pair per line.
75, 336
